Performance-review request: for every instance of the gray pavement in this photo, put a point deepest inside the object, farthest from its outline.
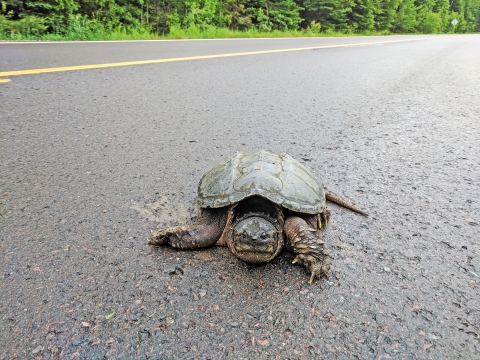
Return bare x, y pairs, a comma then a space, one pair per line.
91, 161
21, 55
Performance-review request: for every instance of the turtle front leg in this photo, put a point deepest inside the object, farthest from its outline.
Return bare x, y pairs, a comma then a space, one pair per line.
204, 233
307, 246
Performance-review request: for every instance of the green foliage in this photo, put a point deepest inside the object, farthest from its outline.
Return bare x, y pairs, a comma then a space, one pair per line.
27, 27
332, 14
362, 15
173, 19
314, 27
431, 23
236, 17
200, 13
285, 15
406, 20
386, 14
122, 19
472, 15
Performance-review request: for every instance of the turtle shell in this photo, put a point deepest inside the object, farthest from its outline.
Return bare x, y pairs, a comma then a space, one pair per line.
279, 178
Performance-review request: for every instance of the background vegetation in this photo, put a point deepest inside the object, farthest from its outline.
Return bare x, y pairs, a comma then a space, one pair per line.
148, 19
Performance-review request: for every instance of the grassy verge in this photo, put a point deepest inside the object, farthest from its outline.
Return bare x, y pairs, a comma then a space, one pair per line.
175, 33
222, 33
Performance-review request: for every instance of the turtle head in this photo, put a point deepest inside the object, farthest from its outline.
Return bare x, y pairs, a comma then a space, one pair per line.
256, 238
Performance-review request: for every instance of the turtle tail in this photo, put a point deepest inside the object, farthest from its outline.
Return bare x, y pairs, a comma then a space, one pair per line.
342, 202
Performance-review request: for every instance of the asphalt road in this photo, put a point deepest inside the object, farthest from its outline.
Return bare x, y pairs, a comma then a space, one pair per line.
93, 160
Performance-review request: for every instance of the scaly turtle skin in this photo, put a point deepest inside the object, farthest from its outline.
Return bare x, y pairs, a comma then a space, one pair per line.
257, 204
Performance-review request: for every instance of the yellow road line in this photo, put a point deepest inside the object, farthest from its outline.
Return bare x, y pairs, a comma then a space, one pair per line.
4, 80
188, 58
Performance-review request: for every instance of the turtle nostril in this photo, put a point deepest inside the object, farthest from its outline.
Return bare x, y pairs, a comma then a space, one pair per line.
254, 238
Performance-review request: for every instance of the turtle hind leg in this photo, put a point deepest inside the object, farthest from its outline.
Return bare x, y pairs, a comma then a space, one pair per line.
204, 233
307, 246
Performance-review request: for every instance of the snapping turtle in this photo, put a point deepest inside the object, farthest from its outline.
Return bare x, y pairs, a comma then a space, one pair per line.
257, 204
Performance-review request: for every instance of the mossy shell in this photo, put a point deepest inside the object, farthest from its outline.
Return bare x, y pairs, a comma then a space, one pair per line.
279, 178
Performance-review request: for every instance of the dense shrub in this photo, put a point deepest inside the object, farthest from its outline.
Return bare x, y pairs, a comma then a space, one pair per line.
89, 19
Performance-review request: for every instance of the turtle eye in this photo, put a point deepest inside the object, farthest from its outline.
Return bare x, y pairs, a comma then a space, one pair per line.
244, 235
264, 235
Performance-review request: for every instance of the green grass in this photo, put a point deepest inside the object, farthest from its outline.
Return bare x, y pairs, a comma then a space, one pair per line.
175, 33
222, 33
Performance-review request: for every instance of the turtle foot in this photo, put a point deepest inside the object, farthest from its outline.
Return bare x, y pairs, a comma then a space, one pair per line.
161, 236
187, 236
317, 265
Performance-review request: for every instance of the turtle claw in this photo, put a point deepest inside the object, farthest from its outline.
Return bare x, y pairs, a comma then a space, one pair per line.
157, 240
317, 265
161, 236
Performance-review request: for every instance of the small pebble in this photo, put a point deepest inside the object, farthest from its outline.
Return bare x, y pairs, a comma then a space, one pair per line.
263, 342
386, 269
37, 350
